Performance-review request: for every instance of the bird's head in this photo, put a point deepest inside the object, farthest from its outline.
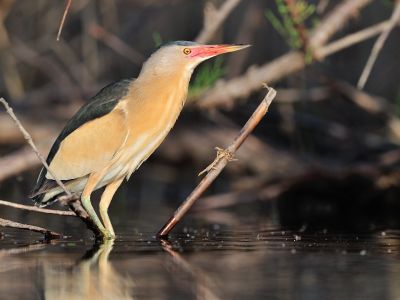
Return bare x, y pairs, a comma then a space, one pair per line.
184, 56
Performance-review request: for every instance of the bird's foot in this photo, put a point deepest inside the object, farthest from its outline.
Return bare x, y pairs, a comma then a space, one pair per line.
108, 235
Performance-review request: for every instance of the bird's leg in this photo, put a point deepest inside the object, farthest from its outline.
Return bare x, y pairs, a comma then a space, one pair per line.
105, 203
93, 180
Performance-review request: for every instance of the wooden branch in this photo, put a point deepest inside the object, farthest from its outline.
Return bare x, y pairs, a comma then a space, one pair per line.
66, 10
335, 21
214, 18
350, 40
394, 20
219, 164
48, 234
38, 209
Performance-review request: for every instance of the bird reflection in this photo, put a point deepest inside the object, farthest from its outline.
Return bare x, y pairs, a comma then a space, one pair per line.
93, 278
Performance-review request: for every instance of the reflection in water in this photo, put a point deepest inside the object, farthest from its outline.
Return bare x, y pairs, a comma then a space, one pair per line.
201, 284
93, 278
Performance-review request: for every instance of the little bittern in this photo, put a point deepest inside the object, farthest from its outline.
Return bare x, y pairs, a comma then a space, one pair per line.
113, 134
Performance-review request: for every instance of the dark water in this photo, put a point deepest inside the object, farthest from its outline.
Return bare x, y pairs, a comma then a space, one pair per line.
209, 263
242, 252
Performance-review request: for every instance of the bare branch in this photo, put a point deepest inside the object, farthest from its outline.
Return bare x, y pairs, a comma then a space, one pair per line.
66, 10
219, 164
350, 40
394, 20
335, 21
215, 20
47, 233
37, 209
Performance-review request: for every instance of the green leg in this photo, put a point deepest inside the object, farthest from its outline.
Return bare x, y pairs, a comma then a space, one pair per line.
105, 203
92, 214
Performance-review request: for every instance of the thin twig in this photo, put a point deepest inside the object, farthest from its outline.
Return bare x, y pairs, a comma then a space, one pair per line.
394, 20
47, 233
37, 209
336, 20
350, 40
219, 164
214, 21
28, 138
66, 10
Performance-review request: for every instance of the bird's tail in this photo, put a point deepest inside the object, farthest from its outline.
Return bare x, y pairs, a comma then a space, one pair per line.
47, 194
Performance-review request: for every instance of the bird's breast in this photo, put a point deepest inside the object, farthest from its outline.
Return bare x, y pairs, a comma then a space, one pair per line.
149, 119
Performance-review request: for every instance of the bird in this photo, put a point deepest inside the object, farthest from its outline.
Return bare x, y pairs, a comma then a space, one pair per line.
120, 127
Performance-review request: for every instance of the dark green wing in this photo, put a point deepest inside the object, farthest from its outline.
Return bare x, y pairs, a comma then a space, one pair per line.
101, 104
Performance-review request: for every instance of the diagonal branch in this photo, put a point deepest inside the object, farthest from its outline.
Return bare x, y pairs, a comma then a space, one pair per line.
66, 10
394, 20
219, 163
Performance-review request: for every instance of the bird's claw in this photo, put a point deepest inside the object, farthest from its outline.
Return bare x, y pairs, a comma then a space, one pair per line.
107, 235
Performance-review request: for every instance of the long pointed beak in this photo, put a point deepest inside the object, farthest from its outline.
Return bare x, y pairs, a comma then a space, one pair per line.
208, 51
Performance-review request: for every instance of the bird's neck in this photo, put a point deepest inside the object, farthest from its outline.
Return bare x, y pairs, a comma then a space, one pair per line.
154, 84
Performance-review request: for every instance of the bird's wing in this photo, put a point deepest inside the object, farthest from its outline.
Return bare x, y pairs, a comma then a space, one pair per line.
88, 136
90, 147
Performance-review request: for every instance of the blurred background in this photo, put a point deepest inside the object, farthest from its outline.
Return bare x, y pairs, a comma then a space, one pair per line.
310, 209
325, 148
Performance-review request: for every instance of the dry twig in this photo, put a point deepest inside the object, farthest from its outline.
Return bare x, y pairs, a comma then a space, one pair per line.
66, 10
351, 40
38, 209
393, 22
47, 233
219, 164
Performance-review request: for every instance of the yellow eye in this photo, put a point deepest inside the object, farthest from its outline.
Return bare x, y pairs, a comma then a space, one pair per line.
187, 51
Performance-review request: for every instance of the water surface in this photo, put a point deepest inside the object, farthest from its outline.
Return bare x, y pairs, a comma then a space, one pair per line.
257, 250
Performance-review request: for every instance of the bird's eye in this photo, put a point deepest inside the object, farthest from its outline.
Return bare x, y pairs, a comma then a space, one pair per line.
187, 51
